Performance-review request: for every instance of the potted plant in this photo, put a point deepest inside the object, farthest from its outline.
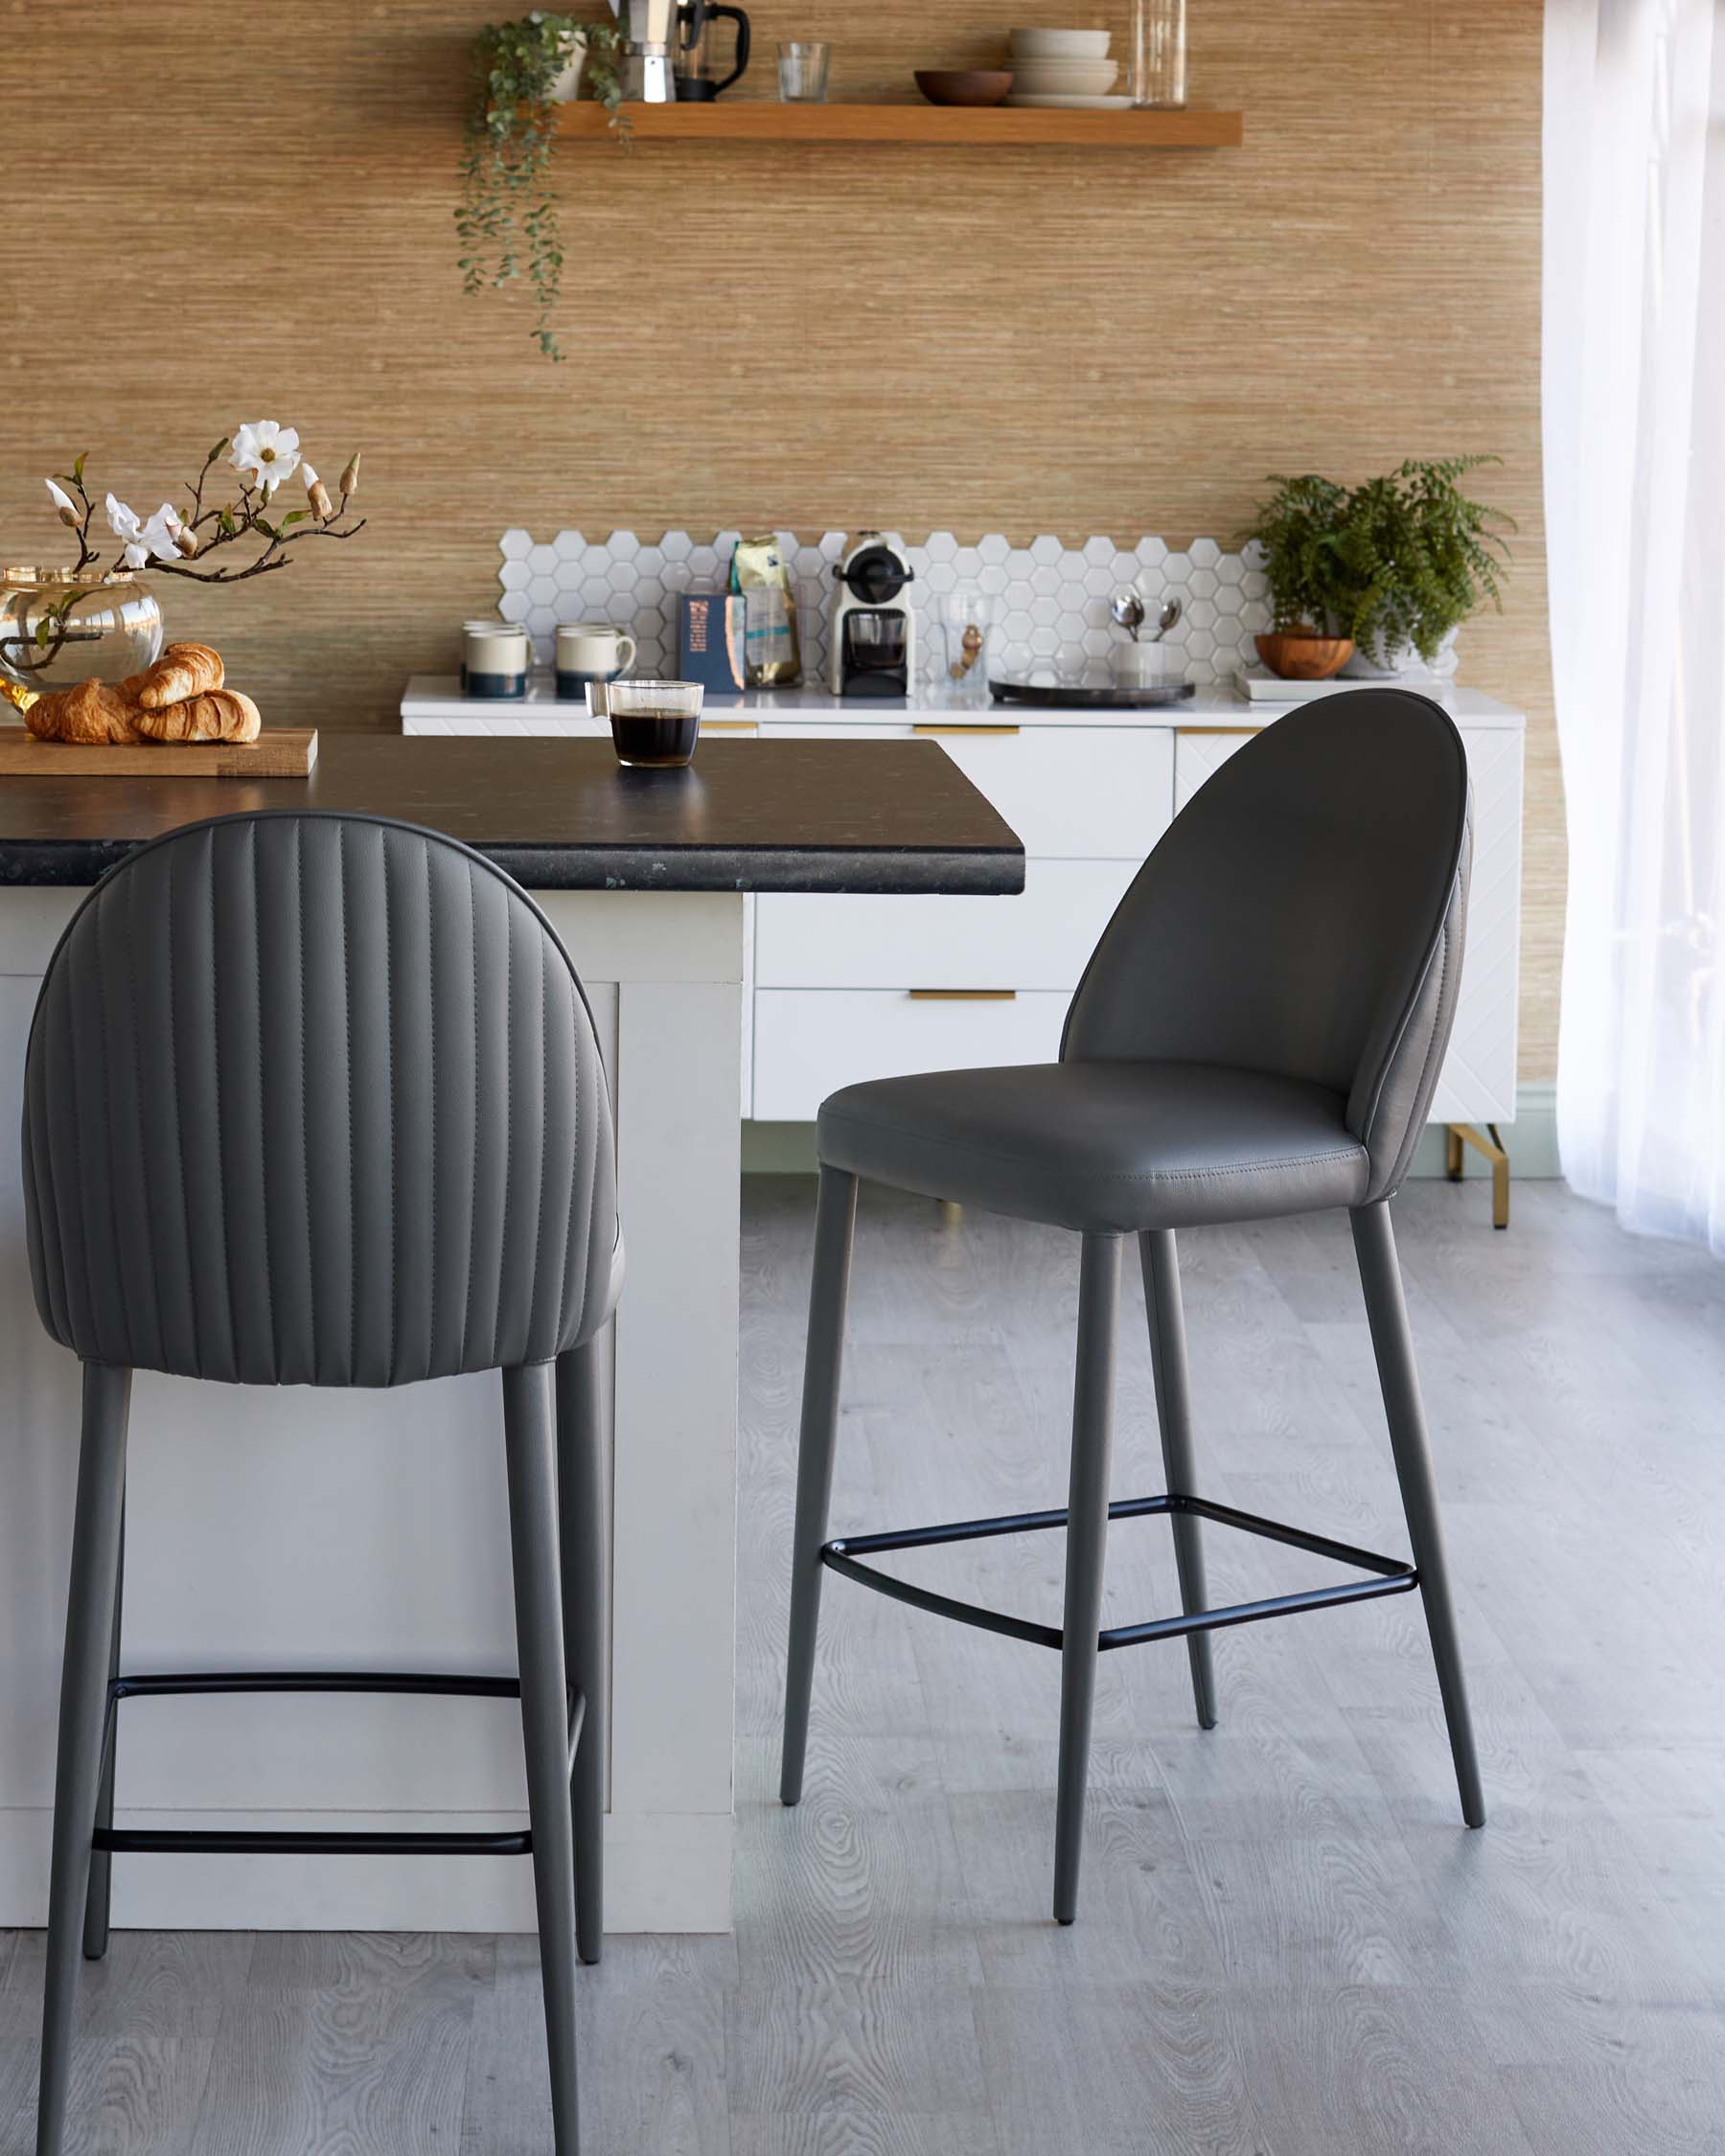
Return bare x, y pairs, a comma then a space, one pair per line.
1391, 568
1297, 531
507, 215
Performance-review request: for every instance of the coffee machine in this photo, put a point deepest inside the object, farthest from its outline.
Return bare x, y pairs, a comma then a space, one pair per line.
874, 629
649, 29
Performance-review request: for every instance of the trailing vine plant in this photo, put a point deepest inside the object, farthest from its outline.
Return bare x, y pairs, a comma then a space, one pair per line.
1396, 561
507, 217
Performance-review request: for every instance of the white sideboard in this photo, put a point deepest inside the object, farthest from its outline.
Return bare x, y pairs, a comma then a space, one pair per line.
843, 988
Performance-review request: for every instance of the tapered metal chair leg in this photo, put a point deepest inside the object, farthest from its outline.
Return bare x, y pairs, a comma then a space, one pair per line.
530, 1447
82, 1717
98, 1901
1386, 1311
835, 1221
1161, 1262
1087, 1552
583, 1516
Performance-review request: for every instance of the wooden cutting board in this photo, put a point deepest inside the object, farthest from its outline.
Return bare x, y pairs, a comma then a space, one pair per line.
278, 753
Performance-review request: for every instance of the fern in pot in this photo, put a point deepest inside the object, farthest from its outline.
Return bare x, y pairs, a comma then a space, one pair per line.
1389, 569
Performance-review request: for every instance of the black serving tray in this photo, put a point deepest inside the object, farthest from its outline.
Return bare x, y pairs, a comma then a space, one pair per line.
1090, 695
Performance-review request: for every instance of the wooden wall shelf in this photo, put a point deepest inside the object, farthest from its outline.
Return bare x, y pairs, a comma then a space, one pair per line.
1003, 127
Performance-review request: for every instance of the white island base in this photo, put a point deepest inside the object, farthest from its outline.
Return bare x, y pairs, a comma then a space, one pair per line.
301, 1529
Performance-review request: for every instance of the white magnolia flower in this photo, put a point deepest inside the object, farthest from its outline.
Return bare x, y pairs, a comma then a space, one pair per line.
160, 533
124, 524
61, 499
264, 452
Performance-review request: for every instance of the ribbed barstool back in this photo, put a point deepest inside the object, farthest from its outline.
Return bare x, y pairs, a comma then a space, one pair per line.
316, 1099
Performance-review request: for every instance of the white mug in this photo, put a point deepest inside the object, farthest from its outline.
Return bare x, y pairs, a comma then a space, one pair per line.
591, 651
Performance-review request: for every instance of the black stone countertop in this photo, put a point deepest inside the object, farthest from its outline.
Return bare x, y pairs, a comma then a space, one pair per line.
564, 816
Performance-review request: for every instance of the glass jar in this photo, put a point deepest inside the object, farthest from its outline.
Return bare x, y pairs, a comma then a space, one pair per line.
1157, 74
962, 619
59, 627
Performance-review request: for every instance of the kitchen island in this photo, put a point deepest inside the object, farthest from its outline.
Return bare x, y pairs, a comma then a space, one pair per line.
319, 1530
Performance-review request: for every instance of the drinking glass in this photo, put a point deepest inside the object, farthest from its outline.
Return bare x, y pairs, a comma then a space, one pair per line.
654, 725
803, 72
1158, 52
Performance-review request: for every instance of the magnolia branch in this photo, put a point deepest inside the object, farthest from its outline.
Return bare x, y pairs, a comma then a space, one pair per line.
273, 558
265, 457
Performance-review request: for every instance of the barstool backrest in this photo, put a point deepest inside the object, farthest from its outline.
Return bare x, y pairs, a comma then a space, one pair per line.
315, 1099
1304, 916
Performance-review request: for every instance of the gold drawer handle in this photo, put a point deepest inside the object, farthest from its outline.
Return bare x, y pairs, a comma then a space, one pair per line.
919, 730
962, 994
729, 725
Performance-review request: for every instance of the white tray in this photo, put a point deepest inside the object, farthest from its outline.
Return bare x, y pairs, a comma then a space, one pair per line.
1262, 686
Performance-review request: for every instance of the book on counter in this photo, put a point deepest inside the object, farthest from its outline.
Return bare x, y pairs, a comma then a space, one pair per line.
711, 634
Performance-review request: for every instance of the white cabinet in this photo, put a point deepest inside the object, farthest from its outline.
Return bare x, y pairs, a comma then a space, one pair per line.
1039, 939
1070, 793
848, 988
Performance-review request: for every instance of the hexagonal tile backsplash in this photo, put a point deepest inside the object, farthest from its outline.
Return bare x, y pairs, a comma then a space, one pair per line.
1050, 600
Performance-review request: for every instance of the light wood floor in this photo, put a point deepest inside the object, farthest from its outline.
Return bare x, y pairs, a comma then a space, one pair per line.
1290, 1946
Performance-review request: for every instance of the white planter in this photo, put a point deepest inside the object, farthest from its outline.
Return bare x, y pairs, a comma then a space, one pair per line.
567, 86
1371, 662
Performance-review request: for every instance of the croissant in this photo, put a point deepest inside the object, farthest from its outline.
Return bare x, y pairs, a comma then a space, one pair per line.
218, 715
183, 670
92, 713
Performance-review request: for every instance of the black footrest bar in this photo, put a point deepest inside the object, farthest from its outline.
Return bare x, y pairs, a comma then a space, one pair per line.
130, 1840
1392, 1575
136, 1841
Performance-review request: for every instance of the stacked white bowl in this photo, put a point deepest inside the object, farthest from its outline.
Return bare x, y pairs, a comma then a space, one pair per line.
1062, 67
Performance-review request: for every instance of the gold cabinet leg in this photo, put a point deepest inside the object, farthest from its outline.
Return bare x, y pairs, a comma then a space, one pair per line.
1489, 1142
1500, 1181
952, 1213
1451, 1143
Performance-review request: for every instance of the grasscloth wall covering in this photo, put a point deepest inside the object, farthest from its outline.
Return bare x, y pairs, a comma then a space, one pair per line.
247, 212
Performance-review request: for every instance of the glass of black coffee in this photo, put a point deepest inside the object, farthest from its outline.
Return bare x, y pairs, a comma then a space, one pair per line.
654, 725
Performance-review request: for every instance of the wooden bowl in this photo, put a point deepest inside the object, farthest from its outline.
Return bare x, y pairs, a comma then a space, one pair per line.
964, 85
1292, 657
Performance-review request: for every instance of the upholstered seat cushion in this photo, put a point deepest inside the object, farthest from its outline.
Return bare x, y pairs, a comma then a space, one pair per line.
1103, 1145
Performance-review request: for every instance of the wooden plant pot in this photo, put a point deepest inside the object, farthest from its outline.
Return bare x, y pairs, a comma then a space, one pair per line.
1296, 655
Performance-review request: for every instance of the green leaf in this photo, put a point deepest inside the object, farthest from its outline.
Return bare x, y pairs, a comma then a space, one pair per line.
78, 470
295, 516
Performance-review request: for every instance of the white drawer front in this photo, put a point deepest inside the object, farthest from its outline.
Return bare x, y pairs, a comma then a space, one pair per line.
1070, 793
1041, 939
810, 1041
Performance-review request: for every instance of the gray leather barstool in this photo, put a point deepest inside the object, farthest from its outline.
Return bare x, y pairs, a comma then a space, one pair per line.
315, 1099
1257, 1033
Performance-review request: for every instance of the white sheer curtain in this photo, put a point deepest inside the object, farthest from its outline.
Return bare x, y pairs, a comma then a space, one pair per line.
1634, 403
